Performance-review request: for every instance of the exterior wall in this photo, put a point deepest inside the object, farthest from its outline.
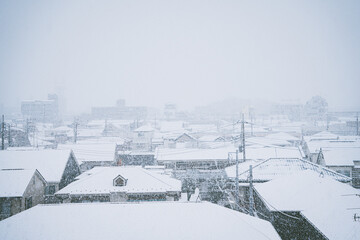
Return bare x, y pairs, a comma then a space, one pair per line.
89, 198
35, 190
355, 173
142, 141
146, 197
345, 170
127, 159
196, 164
289, 225
16, 206
118, 197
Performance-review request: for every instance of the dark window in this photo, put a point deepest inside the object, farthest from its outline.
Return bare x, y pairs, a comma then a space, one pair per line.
50, 190
28, 202
6, 207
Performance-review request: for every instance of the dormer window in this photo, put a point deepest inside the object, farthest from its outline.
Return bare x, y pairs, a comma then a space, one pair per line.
119, 181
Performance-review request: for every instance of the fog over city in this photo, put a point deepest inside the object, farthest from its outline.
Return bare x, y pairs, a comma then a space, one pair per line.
186, 52
173, 120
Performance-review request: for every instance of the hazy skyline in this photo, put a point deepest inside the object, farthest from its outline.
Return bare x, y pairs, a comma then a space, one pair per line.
187, 52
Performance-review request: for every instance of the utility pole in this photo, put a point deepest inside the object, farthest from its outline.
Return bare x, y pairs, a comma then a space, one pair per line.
2, 133
252, 127
251, 197
9, 135
243, 137
106, 127
237, 181
357, 124
75, 130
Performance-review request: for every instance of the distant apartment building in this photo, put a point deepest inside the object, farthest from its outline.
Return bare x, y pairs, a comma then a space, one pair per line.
291, 108
41, 110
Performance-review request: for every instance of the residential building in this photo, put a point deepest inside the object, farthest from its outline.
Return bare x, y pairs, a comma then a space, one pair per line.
120, 184
20, 189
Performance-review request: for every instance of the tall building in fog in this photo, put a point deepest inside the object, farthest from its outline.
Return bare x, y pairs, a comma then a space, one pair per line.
41, 110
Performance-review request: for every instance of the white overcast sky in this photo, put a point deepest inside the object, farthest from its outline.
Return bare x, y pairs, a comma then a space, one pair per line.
187, 52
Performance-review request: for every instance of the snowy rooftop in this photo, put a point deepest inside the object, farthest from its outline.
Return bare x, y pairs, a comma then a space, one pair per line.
50, 163
257, 152
276, 167
265, 141
341, 156
96, 152
161, 221
145, 128
99, 180
314, 146
282, 136
192, 154
14, 182
322, 136
328, 204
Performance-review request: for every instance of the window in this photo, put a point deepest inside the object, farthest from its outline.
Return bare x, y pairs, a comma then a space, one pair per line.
28, 202
50, 190
119, 181
5, 207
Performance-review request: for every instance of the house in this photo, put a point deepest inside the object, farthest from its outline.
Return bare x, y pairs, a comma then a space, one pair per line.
120, 184
309, 205
267, 170
272, 168
142, 138
58, 167
185, 140
20, 189
339, 153
155, 220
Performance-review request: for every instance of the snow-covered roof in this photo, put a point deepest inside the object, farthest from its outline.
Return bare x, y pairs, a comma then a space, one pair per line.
324, 135
192, 154
282, 136
145, 128
14, 182
276, 167
341, 156
92, 152
161, 221
99, 180
50, 163
326, 203
262, 153
210, 138
265, 141
314, 146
